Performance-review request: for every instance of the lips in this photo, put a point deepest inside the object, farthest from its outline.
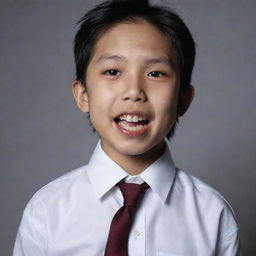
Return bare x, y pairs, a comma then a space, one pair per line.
132, 124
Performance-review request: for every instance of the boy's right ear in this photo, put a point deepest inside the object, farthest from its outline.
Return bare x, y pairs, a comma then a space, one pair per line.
81, 96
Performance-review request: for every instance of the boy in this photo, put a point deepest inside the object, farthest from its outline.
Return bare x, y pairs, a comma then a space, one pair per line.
133, 65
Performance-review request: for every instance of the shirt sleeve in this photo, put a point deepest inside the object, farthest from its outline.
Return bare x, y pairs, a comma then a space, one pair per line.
228, 243
31, 238
230, 246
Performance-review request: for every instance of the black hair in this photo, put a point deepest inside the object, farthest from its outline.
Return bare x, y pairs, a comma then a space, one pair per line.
105, 15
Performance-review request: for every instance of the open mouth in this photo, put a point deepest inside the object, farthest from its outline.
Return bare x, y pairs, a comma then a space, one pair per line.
132, 122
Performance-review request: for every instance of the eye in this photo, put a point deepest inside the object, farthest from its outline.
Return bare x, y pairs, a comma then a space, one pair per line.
156, 74
112, 72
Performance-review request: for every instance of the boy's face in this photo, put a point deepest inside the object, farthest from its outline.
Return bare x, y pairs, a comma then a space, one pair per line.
132, 88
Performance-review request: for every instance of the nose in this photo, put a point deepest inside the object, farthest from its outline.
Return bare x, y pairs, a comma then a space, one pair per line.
134, 89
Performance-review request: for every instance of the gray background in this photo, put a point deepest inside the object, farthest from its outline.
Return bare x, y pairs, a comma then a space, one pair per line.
43, 135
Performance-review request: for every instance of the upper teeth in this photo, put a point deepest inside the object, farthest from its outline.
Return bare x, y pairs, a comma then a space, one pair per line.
131, 118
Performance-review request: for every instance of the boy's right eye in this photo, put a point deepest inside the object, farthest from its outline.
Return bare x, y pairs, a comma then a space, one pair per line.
112, 72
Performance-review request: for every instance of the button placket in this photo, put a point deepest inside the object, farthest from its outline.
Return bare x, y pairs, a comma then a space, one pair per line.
137, 238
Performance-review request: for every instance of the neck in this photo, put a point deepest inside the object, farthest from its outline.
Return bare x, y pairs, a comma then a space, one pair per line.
136, 164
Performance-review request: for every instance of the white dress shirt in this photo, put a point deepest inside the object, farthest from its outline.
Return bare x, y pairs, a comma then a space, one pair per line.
179, 214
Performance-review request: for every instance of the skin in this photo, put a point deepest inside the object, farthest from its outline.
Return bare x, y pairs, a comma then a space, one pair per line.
133, 68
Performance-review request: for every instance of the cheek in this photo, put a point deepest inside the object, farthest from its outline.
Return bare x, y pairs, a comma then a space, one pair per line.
166, 103
166, 112
101, 102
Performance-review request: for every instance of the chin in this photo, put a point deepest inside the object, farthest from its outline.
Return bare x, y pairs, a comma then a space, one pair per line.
137, 149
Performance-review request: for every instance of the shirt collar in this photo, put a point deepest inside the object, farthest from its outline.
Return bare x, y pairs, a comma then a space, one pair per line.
104, 173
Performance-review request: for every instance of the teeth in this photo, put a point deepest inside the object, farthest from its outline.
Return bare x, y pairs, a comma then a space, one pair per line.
133, 128
131, 118
135, 119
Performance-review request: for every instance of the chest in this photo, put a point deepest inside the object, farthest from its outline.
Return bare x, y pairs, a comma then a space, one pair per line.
158, 229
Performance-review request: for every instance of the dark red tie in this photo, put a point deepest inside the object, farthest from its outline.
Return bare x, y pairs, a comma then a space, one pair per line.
117, 244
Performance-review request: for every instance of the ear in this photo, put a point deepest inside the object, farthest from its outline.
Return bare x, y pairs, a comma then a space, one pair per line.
185, 99
81, 96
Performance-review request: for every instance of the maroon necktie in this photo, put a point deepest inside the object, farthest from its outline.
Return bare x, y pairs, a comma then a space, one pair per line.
117, 244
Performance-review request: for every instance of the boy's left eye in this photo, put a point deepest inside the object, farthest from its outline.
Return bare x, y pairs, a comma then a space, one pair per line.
112, 72
156, 74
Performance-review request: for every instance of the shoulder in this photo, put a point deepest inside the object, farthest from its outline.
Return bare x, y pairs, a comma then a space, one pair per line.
50, 204
64, 188
198, 188
207, 202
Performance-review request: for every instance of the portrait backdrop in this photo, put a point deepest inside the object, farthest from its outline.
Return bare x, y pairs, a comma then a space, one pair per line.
43, 134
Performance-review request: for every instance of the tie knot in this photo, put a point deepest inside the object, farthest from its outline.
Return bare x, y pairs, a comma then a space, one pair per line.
132, 192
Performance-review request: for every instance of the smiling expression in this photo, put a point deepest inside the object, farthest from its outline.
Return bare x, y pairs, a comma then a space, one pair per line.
132, 87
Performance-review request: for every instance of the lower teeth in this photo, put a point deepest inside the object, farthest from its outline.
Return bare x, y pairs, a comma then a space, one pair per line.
129, 128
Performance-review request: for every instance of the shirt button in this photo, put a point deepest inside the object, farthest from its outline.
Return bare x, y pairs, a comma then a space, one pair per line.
136, 234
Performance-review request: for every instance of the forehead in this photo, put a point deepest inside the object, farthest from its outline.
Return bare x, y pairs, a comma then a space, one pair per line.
133, 40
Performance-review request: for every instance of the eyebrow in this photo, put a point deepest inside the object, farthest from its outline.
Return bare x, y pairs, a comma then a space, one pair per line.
163, 59
110, 57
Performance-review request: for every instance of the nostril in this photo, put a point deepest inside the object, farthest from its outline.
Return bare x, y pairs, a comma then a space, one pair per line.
139, 99
135, 99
